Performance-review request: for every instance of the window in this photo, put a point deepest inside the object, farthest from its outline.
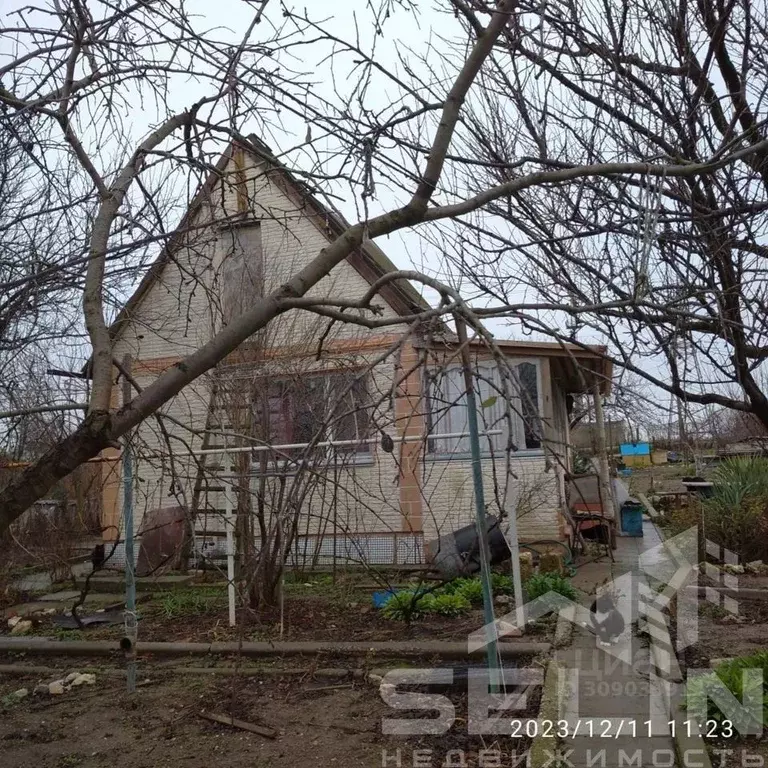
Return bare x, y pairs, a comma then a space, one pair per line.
313, 408
447, 409
242, 269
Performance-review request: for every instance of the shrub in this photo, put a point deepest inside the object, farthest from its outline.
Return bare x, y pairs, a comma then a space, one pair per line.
446, 605
736, 514
541, 583
404, 605
730, 674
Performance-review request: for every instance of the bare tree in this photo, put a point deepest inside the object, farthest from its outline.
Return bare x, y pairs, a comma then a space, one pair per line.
78, 70
669, 269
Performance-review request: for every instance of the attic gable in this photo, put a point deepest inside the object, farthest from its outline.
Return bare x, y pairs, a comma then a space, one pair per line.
249, 183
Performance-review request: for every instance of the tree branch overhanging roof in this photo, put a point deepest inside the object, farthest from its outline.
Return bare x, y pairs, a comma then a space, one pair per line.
369, 260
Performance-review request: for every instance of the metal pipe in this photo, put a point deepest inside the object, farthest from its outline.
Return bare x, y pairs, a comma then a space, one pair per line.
334, 443
481, 524
43, 645
514, 550
230, 522
131, 624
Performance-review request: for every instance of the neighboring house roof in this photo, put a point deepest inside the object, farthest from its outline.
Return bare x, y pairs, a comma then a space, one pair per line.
369, 259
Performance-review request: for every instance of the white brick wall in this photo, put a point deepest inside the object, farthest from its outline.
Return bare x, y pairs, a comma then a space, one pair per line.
449, 495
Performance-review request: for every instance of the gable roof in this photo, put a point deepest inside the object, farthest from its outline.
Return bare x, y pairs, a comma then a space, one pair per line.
369, 260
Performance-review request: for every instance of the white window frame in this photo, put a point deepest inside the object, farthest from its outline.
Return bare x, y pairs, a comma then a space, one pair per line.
451, 416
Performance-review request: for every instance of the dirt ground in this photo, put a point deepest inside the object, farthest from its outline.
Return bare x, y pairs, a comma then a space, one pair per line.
315, 610
725, 635
160, 725
664, 478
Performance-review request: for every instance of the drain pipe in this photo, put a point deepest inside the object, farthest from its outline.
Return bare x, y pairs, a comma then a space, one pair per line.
444, 649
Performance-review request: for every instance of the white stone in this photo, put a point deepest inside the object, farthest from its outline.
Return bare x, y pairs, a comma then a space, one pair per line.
13, 621
23, 627
84, 679
71, 677
56, 688
508, 630
22, 693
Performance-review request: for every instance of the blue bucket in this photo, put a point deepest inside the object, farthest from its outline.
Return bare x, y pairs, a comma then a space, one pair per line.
379, 598
632, 519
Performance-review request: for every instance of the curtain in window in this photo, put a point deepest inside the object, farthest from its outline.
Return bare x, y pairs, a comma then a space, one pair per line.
447, 413
317, 407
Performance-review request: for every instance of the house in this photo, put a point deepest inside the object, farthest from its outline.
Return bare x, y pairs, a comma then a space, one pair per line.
326, 439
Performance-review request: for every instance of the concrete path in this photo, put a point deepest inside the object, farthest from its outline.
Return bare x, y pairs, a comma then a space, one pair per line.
616, 715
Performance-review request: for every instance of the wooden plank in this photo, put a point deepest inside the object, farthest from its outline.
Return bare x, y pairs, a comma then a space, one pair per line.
267, 733
652, 511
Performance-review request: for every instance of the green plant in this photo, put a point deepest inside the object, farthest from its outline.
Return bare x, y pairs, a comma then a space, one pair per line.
731, 675
581, 463
446, 605
409, 604
502, 584
712, 611
191, 602
542, 583
736, 515
470, 590
70, 761
405, 605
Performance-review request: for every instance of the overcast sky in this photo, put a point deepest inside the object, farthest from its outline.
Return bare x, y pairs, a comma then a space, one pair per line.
403, 32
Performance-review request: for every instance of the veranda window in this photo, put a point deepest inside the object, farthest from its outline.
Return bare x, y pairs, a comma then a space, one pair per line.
447, 408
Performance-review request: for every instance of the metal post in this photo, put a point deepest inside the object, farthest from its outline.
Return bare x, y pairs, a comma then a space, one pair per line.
514, 551
230, 523
607, 502
131, 625
480, 519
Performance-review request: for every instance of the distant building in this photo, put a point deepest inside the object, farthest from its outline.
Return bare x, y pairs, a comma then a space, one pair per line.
584, 436
636, 454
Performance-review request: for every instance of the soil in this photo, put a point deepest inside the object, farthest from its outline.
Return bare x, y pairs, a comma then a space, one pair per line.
664, 478
722, 635
737, 754
160, 725
318, 613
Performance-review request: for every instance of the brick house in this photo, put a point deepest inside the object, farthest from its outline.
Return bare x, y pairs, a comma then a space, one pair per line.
306, 379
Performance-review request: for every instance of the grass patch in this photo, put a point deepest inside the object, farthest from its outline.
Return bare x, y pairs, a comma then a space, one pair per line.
194, 601
731, 676
541, 584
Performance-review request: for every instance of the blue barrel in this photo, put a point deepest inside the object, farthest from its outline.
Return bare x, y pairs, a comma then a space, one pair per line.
632, 518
